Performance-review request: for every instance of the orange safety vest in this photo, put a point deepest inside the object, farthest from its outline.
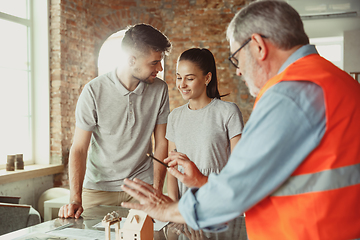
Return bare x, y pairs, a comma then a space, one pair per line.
321, 198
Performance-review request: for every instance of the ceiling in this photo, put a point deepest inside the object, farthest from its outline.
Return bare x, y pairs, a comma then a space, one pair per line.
328, 18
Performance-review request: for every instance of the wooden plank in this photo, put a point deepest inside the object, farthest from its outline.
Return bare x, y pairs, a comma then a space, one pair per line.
14, 205
30, 171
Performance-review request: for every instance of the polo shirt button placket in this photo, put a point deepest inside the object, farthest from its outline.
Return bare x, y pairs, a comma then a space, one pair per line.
131, 110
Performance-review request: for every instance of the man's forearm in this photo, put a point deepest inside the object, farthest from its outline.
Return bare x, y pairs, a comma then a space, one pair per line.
77, 166
172, 213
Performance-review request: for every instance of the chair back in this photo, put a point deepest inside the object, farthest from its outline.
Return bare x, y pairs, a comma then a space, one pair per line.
13, 217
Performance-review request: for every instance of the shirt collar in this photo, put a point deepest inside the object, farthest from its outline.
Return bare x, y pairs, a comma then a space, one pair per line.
301, 52
138, 90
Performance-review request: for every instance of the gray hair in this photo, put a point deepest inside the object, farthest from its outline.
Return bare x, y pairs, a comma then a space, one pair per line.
276, 20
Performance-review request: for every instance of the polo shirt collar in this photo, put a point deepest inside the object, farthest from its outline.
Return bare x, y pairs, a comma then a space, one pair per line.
301, 52
138, 90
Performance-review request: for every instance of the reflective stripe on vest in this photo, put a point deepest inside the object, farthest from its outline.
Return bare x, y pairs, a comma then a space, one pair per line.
320, 181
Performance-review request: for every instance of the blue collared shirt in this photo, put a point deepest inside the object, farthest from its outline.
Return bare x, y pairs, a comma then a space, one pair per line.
286, 125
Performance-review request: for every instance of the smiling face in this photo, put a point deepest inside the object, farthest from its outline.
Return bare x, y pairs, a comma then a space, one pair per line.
191, 81
146, 67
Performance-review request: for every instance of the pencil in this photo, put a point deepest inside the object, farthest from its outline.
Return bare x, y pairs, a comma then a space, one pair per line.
149, 155
61, 227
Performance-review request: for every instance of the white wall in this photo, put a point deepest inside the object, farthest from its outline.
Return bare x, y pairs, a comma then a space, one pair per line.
352, 51
29, 190
331, 48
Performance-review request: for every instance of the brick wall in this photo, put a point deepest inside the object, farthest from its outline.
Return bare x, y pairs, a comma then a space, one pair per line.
78, 28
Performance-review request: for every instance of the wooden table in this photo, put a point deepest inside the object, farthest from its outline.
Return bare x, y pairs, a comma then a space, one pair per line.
83, 228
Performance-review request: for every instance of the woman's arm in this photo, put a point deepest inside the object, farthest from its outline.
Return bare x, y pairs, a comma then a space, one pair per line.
160, 152
172, 184
234, 141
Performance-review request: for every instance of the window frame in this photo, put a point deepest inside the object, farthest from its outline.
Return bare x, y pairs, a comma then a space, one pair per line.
40, 60
39, 88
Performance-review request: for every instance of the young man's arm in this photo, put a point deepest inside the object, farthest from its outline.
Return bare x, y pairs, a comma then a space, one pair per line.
77, 167
160, 152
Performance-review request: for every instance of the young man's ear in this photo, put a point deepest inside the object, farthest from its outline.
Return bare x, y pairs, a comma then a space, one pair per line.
131, 60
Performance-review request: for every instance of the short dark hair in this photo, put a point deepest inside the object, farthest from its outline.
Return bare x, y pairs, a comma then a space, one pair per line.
205, 60
276, 20
143, 37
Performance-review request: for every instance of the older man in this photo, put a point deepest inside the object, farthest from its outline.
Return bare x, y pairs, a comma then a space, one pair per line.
296, 170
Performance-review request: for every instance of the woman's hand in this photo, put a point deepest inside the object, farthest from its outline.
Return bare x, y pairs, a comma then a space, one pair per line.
191, 177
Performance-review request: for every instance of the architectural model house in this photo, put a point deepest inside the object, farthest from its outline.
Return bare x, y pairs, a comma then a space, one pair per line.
138, 226
112, 218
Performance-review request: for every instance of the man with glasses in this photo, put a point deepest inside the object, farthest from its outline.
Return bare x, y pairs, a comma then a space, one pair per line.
296, 170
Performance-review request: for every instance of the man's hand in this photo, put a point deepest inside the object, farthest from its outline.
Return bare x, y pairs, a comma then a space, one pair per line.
191, 177
72, 210
152, 201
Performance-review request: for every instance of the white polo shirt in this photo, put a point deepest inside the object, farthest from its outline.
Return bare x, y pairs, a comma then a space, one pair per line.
122, 123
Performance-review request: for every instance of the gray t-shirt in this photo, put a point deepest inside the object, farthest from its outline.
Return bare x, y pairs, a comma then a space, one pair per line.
204, 135
122, 123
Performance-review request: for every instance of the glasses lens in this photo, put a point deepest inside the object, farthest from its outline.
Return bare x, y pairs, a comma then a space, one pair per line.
234, 61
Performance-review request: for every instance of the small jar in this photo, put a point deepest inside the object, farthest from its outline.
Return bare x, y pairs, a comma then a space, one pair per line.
10, 164
19, 162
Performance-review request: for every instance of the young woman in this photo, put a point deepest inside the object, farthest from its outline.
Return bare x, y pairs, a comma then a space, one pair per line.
206, 129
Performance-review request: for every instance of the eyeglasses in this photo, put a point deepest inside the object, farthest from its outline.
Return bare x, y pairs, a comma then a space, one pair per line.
233, 59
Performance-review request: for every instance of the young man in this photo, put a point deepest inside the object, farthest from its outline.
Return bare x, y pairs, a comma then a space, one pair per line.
296, 170
116, 115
